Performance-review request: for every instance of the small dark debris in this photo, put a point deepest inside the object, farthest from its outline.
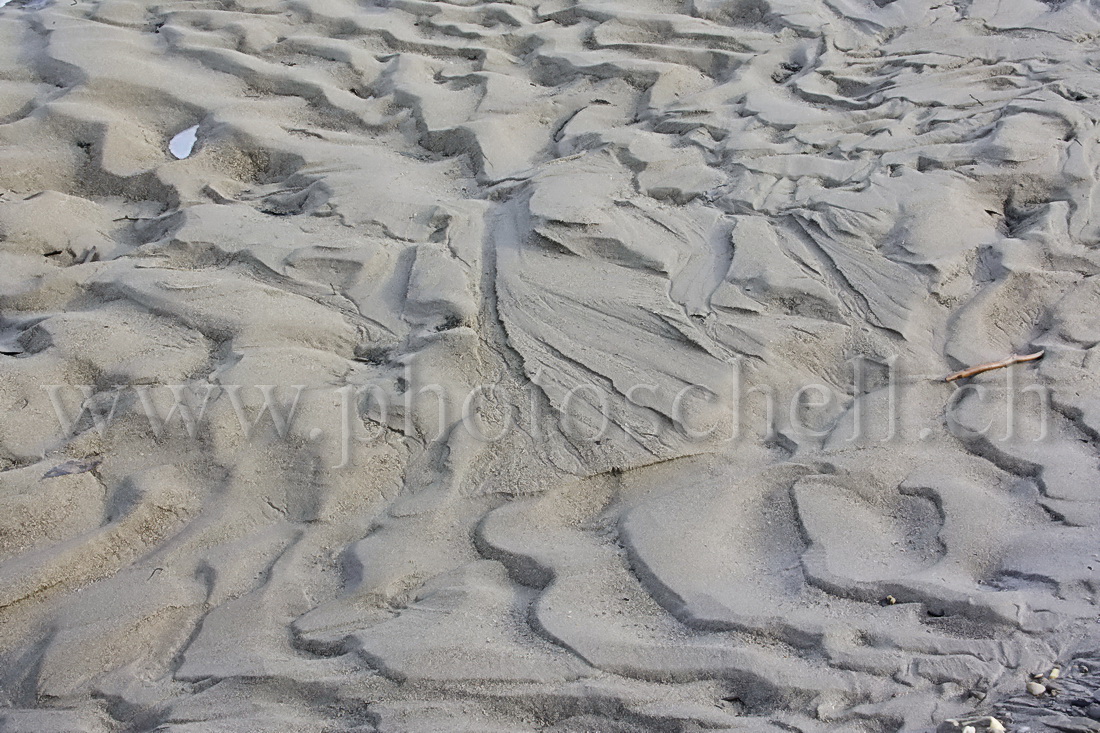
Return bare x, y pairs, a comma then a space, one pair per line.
76, 465
785, 72
376, 355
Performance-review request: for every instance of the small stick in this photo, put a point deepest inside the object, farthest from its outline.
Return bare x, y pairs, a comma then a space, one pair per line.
1014, 359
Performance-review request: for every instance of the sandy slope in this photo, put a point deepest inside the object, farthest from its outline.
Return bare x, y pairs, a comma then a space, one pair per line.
420, 198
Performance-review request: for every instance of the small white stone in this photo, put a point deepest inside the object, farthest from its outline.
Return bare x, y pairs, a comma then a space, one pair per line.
969, 729
183, 143
996, 726
1035, 688
1055, 673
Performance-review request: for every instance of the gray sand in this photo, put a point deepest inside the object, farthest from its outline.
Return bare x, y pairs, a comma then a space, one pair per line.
697, 268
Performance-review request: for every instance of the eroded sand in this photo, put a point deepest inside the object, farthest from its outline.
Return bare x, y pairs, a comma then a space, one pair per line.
400, 194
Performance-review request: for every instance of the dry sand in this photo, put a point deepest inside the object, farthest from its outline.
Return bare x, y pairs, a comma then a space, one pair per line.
393, 202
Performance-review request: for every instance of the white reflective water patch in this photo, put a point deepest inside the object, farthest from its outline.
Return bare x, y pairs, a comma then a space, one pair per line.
183, 143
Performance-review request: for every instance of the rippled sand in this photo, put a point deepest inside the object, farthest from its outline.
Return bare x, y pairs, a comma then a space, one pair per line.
685, 279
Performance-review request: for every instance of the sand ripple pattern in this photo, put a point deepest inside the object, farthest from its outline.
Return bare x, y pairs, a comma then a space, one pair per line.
536, 195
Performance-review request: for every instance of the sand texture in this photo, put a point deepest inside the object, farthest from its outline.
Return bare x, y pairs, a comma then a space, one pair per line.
616, 241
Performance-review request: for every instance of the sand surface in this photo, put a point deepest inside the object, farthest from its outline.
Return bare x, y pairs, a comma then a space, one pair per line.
616, 331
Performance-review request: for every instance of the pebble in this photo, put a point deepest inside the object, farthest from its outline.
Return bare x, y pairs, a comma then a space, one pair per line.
183, 143
983, 724
1035, 688
1093, 711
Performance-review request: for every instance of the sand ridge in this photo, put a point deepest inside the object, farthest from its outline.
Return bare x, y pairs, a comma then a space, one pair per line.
684, 206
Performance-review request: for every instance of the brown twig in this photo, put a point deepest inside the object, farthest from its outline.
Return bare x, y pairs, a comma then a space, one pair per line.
1014, 359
